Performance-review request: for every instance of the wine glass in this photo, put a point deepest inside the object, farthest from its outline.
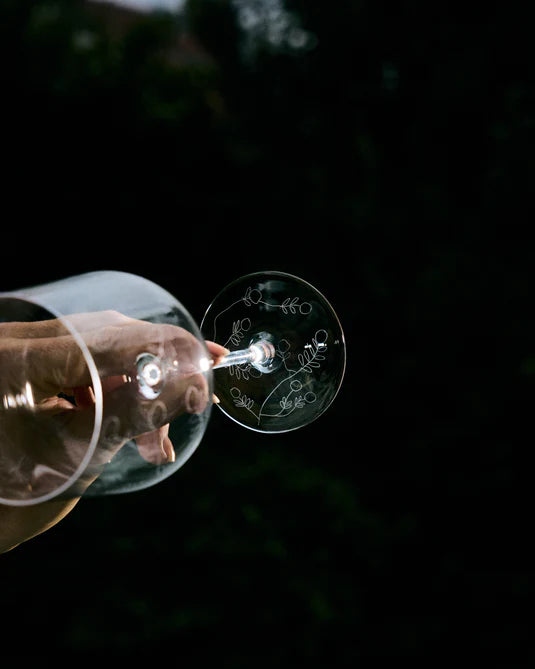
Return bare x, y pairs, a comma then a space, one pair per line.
109, 380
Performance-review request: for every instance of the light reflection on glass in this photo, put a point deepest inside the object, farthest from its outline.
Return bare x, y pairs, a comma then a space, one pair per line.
23, 399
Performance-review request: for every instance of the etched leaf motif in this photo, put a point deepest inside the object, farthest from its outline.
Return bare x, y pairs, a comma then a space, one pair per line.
235, 336
310, 356
285, 403
238, 331
243, 402
299, 402
240, 371
290, 304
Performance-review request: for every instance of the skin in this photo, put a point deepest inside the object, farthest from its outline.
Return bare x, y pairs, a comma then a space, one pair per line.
45, 356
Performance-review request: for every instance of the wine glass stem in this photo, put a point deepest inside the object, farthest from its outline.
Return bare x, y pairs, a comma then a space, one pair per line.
236, 358
259, 354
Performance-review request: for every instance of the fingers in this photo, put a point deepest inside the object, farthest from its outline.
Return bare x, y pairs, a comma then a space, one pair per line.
216, 351
56, 327
51, 359
45, 354
127, 415
156, 447
48, 364
52, 364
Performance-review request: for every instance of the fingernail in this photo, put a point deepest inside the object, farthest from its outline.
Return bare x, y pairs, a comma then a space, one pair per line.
169, 450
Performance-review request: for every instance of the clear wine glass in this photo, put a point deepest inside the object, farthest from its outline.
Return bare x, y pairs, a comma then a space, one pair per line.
107, 379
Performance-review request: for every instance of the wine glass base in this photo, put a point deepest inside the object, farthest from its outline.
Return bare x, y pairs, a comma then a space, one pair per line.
303, 376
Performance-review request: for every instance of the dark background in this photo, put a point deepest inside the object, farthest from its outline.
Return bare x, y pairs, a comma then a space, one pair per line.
386, 155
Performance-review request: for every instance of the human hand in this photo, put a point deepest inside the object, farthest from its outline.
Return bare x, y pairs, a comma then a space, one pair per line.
43, 441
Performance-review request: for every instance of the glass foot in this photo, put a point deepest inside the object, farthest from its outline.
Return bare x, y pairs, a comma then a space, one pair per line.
288, 348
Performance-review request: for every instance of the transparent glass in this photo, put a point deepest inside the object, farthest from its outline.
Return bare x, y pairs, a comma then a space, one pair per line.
107, 381
76, 414
302, 375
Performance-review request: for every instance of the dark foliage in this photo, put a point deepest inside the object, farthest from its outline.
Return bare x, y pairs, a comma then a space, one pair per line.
384, 154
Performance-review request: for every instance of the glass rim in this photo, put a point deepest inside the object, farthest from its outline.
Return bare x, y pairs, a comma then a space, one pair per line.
97, 390
293, 277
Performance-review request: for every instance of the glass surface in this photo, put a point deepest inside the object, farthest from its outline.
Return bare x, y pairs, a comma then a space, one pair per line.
79, 402
107, 381
303, 377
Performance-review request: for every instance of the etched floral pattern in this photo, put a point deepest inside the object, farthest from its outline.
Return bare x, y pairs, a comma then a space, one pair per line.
293, 392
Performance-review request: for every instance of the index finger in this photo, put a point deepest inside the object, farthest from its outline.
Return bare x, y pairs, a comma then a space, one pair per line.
216, 351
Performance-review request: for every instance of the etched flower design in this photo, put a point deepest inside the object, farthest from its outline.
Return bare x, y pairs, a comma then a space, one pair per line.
252, 296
